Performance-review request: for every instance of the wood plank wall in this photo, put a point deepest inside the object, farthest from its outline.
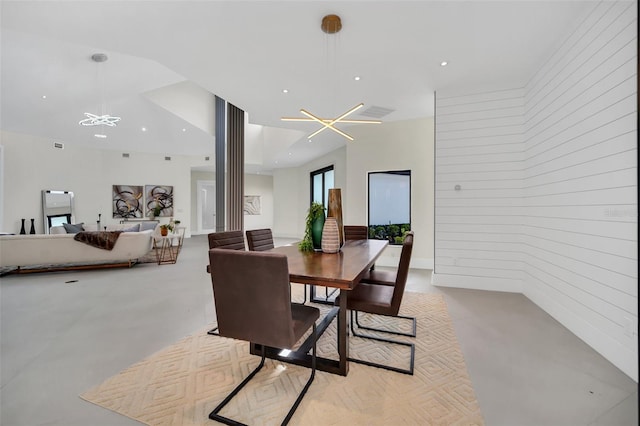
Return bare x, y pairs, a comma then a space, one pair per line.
221, 143
478, 150
580, 182
548, 177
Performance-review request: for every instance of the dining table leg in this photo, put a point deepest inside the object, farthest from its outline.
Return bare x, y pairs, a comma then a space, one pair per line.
343, 327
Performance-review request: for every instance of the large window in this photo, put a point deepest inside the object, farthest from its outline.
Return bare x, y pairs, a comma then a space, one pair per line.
321, 182
389, 205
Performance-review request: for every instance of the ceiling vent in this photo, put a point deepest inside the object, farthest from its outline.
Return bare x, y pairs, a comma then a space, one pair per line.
58, 145
376, 112
125, 155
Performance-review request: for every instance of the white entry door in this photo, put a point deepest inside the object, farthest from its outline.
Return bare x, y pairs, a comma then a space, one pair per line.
206, 206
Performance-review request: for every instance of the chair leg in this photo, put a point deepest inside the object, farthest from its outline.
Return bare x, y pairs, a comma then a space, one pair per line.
213, 331
306, 386
398, 333
214, 414
383, 366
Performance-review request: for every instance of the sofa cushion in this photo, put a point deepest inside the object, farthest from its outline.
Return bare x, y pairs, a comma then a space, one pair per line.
146, 226
134, 228
73, 228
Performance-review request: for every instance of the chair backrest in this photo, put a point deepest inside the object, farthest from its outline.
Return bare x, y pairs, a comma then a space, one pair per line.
356, 232
252, 296
403, 272
259, 239
233, 240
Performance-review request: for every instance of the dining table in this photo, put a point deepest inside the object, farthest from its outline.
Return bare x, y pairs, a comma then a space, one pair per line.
342, 271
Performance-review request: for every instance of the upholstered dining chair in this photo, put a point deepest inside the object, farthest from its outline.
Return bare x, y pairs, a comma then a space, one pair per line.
230, 240
259, 239
356, 232
373, 298
252, 300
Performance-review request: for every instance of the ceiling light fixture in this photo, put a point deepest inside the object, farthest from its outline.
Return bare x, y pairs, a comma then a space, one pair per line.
443, 63
332, 24
356, 78
104, 119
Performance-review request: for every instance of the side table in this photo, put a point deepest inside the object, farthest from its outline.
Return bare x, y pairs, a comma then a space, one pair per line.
168, 247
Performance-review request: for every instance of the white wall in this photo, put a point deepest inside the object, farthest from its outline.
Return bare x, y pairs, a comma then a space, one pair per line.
478, 227
398, 145
261, 185
291, 193
33, 164
551, 210
580, 152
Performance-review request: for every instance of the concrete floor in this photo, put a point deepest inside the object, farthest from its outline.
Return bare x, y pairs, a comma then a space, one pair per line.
63, 333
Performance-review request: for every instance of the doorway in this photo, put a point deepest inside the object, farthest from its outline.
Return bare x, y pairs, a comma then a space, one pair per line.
206, 206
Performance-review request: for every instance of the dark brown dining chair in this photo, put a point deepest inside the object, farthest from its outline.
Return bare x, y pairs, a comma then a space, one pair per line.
259, 239
384, 300
356, 232
252, 300
230, 240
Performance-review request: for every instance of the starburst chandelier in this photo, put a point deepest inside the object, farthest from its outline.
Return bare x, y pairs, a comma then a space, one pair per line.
331, 24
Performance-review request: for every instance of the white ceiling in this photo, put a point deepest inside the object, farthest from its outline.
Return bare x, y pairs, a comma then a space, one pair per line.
247, 52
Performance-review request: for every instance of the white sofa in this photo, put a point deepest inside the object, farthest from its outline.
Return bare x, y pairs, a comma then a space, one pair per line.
60, 249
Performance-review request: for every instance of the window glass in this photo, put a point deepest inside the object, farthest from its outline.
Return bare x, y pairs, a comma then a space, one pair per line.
389, 205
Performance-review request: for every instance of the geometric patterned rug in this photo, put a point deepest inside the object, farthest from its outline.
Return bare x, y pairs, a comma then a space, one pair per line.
181, 384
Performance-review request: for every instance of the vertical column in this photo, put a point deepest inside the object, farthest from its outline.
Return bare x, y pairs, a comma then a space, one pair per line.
221, 126
235, 160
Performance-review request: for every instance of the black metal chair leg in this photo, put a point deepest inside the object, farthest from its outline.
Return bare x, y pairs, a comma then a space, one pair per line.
383, 366
214, 414
306, 386
399, 333
212, 332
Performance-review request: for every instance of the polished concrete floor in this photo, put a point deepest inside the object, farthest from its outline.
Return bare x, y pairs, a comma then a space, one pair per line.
63, 333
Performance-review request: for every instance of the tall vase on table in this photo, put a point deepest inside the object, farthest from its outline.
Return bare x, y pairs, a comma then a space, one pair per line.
330, 236
334, 210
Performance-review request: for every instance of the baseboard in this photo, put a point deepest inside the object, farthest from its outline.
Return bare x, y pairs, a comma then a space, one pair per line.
508, 285
621, 356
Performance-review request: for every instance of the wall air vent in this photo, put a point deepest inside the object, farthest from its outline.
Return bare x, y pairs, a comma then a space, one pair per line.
125, 155
206, 158
58, 145
167, 158
376, 112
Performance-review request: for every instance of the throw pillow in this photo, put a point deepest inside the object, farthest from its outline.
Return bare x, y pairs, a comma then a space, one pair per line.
146, 226
134, 228
73, 228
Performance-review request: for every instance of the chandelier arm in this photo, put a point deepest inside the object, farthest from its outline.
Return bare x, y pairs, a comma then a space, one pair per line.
326, 124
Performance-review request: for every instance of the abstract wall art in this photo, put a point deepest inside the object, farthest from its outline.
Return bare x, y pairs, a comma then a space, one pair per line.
127, 201
160, 198
252, 205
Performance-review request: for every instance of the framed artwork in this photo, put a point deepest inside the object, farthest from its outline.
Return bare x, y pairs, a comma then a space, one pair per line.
127, 201
158, 200
251, 205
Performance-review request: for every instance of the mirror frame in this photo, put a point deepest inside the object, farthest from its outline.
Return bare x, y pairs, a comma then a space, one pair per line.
46, 218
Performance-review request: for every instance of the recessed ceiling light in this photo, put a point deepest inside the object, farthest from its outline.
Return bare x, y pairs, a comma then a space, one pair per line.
99, 135
44, 96
184, 130
144, 129
443, 63
289, 153
285, 90
356, 78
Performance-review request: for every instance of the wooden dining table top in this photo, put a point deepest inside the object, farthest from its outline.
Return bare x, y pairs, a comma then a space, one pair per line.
340, 270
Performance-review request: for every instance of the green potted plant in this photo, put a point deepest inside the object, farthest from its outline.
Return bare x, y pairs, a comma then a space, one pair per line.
157, 209
313, 228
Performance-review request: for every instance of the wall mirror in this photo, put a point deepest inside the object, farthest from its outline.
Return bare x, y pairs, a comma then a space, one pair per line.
57, 208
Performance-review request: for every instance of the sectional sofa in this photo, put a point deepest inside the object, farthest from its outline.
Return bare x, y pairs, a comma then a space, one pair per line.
59, 250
